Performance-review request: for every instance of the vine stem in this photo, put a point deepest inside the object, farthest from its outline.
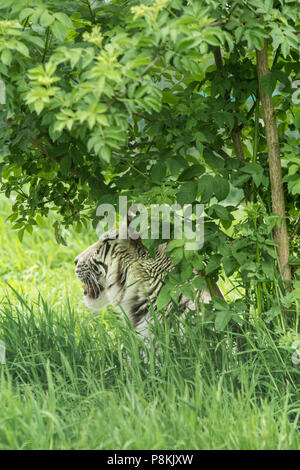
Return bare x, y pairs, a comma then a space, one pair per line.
46, 44
91, 11
25, 23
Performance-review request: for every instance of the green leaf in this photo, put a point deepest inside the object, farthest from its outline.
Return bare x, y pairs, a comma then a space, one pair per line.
25, 12
186, 272
268, 83
202, 136
46, 19
59, 30
22, 48
229, 265
40, 220
191, 172
213, 264
38, 106
176, 255
199, 283
187, 193
158, 172
65, 164
29, 228
224, 118
175, 296
239, 180
37, 41
78, 227
176, 164
285, 48
163, 298
174, 244
6, 4
239, 33
187, 43
21, 234
220, 211
64, 19
213, 160
170, 98
222, 319
206, 188
295, 187
197, 262
105, 153
188, 291
57, 232
255, 170
212, 40
221, 187
6, 56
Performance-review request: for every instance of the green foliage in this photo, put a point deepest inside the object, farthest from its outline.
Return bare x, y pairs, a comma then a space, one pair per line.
150, 100
66, 373
157, 101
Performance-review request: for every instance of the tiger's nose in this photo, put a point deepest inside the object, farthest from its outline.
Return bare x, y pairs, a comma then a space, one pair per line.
76, 261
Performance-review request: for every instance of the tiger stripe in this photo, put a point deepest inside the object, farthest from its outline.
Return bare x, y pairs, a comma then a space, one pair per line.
121, 272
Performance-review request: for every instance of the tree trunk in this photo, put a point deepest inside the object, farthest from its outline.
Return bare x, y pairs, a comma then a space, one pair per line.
278, 206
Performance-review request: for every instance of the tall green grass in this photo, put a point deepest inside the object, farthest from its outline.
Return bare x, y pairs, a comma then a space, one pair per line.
80, 380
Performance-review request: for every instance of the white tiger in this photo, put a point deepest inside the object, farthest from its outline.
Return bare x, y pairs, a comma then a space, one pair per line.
122, 273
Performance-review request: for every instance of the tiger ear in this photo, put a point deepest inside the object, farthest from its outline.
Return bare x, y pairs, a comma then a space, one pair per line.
133, 236
128, 230
131, 213
125, 230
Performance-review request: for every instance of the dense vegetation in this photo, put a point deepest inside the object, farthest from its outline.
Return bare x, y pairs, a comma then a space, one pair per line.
67, 385
160, 101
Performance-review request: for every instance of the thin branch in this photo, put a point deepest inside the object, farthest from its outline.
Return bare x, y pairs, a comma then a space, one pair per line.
216, 23
48, 35
151, 64
26, 23
117, 98
138, 144
144, 116
91, 11
277, 53
222, 153
218, 58
237, 141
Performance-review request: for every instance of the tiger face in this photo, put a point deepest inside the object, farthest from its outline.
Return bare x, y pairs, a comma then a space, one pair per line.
91, 270
121, 272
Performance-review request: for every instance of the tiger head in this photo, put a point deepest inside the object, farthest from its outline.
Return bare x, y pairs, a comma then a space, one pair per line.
91, 269
100, 268
120, 272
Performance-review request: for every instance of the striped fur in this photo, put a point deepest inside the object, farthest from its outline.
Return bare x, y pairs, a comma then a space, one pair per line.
121, 272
